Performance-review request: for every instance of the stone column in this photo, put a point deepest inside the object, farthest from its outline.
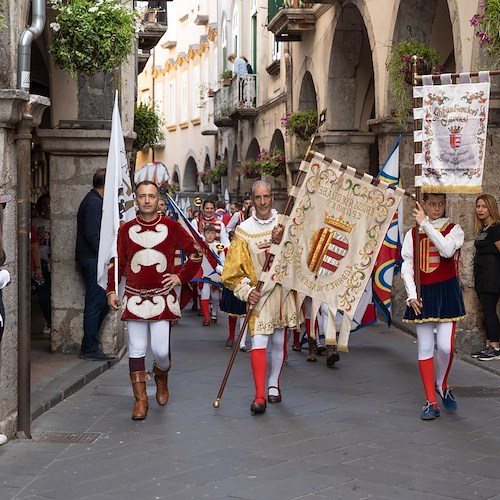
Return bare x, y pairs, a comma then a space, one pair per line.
348, 147
12, 103
74, 157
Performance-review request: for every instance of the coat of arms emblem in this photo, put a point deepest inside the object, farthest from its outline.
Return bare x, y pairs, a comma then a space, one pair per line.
329, 245
455, 137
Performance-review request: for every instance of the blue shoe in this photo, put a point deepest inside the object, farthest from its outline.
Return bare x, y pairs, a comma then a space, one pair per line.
449, 401
429, 412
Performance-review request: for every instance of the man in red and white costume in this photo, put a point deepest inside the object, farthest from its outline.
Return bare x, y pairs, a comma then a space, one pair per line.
146, 250
242, 267
207, 216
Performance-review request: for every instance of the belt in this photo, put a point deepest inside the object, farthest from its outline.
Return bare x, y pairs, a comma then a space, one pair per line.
146, 292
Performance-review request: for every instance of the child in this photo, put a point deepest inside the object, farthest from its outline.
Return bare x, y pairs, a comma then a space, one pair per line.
209, 293
441, 304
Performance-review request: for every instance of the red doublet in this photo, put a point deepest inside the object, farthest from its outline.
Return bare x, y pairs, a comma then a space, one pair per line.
146, 252
433, 267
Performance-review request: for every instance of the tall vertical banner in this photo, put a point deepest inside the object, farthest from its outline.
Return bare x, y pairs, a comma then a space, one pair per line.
331, 240
455, 119
118, 200
389, 257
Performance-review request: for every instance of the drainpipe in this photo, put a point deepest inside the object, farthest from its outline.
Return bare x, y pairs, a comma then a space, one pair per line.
23, 139
27, 37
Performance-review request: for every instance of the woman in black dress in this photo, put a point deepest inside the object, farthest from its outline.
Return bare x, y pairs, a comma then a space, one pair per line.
487, 272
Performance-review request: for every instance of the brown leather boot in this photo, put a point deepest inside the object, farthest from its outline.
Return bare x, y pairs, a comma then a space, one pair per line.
313, 350
161, 379
332, 355
138, 380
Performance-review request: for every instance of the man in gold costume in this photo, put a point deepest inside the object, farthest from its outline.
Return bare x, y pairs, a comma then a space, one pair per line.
244, 262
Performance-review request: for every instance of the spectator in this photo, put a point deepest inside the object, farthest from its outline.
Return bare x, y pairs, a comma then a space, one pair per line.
4, 278
239, 64
41, 223
487, 272
88, 221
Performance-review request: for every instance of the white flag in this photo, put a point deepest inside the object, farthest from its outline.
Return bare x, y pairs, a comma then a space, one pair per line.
118, 199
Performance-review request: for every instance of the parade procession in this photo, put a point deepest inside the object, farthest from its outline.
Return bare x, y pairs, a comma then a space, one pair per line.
249, 249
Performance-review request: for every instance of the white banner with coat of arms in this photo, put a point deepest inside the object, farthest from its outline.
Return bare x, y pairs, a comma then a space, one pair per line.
331, 240
453, 136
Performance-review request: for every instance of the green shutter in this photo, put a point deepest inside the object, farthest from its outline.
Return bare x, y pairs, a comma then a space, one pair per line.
273, 7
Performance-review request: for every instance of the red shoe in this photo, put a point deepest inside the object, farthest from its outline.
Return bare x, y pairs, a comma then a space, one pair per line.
206, 322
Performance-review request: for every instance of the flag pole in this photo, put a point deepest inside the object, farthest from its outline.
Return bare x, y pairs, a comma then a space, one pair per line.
269, 259
417, 148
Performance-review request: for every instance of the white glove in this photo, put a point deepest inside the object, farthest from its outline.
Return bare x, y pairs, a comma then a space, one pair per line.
4, 278
218, 269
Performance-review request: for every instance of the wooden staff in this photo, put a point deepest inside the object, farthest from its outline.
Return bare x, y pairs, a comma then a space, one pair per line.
417, 148
267, 264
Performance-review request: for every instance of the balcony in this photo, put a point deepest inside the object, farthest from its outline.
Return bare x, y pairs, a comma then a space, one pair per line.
154, 23
289, 23
236, 101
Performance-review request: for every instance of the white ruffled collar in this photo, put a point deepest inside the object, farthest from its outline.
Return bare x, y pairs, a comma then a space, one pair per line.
264, 222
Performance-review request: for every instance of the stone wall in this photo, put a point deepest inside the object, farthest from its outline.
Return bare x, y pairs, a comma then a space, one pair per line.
74, 157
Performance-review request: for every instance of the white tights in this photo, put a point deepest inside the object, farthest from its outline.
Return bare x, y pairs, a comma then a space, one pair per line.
445, 338
160, 340
277, 355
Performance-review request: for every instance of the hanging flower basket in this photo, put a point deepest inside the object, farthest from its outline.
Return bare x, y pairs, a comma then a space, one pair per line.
399, 66
486, 24
92, 36
301, 124
250, 169
220, 169
147, 126
271, 162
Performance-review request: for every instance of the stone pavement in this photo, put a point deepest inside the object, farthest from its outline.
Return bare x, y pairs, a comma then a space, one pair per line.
350, 432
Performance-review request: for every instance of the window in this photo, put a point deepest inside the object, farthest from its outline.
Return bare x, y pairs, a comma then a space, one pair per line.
197, 92
184, 101
276, 50
235, 29
171, 110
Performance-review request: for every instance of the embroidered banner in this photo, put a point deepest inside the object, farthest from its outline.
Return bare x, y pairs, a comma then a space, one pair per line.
331, 240
455, 119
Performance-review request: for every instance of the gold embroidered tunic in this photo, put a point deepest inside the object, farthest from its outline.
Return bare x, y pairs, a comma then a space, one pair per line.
244, 262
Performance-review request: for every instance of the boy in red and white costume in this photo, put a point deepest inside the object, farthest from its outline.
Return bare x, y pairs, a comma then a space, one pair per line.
441, 304
146, 248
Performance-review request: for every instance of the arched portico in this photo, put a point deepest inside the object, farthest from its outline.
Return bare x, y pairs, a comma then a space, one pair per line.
190, 175
350, 96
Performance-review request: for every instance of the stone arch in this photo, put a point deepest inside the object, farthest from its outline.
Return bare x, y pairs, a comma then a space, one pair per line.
350, 74
350, 98
278, 141
253, 150
176, 176
307, 95
190, 175
428, 21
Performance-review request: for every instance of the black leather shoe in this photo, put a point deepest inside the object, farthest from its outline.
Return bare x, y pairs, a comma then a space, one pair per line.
274, 399
97, 356
258, 406
332, 355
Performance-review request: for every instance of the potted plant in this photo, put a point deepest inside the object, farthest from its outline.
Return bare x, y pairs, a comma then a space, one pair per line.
226, 77
271, 162
301, 124
92, 36
399, 66
205, 176
219, 170
147, 126
486, 25
250, 169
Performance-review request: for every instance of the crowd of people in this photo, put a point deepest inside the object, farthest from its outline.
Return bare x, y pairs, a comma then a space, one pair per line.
219, 269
